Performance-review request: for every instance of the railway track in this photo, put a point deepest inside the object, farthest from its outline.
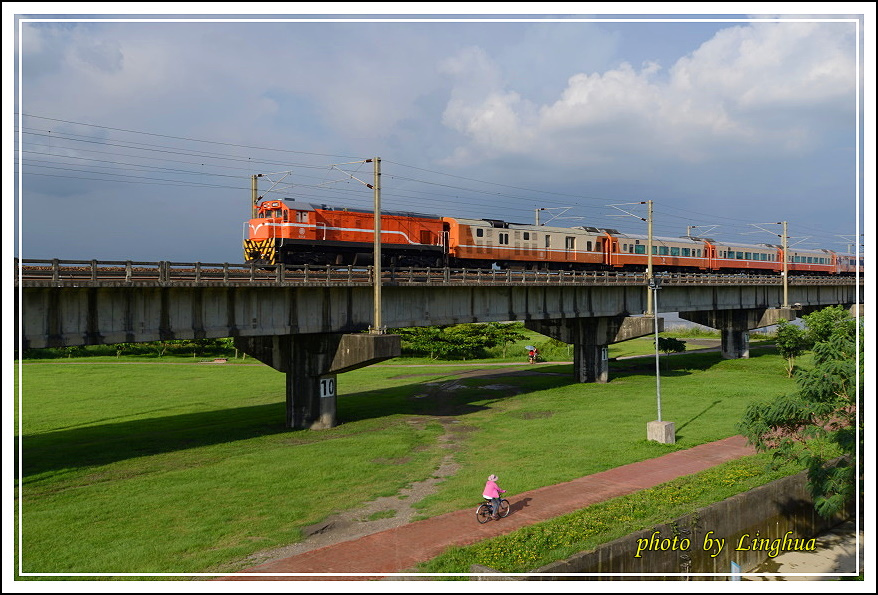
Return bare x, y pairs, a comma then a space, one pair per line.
85, 273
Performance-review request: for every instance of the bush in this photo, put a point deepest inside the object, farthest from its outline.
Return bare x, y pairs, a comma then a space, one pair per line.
671, 345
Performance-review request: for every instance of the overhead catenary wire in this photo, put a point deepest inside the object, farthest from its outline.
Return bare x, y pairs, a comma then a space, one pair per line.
428, 190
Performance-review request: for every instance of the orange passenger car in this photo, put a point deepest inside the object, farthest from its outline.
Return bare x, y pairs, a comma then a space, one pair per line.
484, 242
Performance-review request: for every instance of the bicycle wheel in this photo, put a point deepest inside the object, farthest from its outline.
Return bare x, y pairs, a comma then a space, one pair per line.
483, 513
504, 508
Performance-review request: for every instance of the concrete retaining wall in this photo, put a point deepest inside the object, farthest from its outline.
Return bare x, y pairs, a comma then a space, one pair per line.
745, 529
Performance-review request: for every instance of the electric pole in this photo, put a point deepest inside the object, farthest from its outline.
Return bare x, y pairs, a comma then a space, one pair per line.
649, 309
376, 264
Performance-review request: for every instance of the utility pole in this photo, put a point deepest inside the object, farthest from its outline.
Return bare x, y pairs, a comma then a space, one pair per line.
376, 264
648, 220
649, 308
537, 215
254, 194
786, 260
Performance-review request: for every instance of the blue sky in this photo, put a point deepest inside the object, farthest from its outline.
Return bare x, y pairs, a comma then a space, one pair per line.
137, 139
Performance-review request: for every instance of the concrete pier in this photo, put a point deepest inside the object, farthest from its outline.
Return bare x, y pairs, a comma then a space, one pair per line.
590, 338
311, 363
735, 326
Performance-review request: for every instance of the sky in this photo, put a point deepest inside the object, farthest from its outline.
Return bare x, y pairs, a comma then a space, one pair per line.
135, 136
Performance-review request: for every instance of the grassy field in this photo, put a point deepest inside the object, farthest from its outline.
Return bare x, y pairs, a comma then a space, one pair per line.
172, 466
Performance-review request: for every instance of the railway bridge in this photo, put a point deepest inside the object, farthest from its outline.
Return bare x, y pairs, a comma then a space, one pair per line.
313, 323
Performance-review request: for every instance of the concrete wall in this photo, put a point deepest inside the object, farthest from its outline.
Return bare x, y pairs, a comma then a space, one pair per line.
765, 513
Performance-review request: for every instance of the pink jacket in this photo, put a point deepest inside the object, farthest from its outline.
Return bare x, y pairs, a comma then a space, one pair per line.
492, 490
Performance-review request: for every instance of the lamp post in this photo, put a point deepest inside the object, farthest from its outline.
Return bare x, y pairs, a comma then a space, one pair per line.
655, 284
658, 430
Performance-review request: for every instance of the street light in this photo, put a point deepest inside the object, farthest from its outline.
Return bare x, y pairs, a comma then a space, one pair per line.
655, 284
658, 430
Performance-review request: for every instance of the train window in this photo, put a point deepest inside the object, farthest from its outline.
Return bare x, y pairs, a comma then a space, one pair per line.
624, 247
570, 243
663, 250
654, 250
739, 255
687, 252
632, 248
526, 236
480, 233
548, 241
747, 256
640, 249
699, 253
588, 246
675, 251
503, 238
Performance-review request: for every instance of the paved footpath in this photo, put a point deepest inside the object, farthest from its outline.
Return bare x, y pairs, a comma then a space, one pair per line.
398, 550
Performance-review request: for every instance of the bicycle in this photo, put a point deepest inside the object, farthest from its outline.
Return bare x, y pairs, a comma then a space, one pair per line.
484, 510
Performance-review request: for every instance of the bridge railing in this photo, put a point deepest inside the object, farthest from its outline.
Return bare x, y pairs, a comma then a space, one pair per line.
54, 272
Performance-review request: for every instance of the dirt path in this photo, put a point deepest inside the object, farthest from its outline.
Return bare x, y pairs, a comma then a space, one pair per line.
395, 511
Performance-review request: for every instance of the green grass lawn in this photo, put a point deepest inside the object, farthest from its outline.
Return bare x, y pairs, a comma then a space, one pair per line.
132, 467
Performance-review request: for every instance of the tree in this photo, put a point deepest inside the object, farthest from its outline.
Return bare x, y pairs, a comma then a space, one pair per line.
821, 323
818, 426
507, 333
462, 341
791, 343
671, 345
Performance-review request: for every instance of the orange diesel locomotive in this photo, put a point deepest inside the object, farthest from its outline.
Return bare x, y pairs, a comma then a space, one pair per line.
292, 232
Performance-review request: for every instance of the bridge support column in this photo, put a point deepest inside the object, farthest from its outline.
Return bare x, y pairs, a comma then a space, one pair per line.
735, 326
311, 363
590, 338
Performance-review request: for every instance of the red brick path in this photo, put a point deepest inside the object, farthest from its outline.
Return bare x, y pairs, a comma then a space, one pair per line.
398, 550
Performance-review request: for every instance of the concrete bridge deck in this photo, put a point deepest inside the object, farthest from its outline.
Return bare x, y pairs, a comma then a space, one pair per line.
308, 322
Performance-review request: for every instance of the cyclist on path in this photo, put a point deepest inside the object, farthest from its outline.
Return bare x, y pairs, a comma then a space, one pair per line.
492, 491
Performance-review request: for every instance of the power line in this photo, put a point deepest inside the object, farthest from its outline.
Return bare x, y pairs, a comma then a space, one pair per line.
477, 198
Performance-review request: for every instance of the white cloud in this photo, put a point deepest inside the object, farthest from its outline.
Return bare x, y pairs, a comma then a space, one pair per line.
750, 88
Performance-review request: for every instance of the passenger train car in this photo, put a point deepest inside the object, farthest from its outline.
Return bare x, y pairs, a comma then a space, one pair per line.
293, 232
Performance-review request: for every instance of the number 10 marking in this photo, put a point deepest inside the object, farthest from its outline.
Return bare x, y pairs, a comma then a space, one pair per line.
327, 387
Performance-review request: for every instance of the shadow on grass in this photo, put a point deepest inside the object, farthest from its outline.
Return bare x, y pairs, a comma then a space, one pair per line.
451, 394
105, 443
699, 414
678, 364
